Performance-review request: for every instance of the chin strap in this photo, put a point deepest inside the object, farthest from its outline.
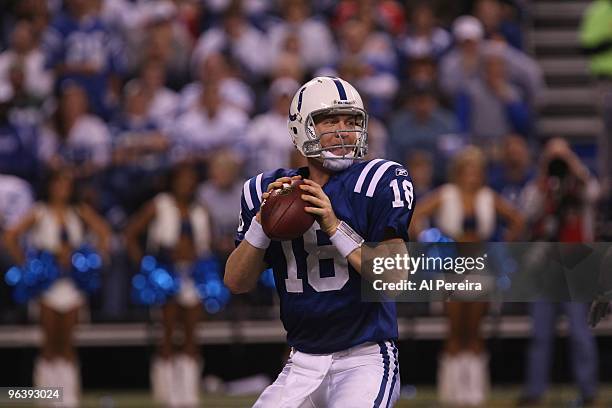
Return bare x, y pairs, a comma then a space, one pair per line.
336, 163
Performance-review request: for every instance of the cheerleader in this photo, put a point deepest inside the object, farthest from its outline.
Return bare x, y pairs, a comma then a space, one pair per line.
58, 226
466, 210
178, 234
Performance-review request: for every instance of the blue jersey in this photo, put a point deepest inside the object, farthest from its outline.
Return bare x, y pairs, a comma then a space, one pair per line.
18, 150
320, 292
68, 41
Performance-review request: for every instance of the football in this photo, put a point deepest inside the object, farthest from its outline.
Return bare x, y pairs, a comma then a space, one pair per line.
283, 216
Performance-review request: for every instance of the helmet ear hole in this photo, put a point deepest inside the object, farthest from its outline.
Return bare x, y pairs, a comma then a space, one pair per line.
294, 130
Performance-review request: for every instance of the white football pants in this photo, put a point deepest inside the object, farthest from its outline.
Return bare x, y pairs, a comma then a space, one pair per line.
363, 376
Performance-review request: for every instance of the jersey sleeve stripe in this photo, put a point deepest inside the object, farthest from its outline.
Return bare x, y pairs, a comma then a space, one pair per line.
246, 192
377, 176
258, 186
364, 174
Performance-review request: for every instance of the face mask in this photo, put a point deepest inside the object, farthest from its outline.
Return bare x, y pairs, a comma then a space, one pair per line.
336, 163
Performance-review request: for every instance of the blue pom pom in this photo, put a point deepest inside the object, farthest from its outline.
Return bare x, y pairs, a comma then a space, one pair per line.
35, 276
433, 235
206, 273
148, 263
13, 276
148, 296
86, 269
79, 262
162, 279
94, 261
35, 266
155, 283
139, 281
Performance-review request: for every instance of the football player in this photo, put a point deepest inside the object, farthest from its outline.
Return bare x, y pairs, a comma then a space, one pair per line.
343, 350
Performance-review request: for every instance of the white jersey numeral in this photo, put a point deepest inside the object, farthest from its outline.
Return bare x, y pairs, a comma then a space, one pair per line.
240, 222
292, 283
315, 254
408, 193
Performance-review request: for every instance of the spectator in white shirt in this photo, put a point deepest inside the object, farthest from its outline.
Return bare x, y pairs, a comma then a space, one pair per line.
208, 126
25, 53
462, 63
215, 68
315, 41
220, 194
370, 57
268, 141
163, 102
246, 44
78, 138
288, 65
168, 41
15, 200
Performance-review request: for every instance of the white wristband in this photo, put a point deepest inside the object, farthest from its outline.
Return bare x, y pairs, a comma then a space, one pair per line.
256, 235
346, 239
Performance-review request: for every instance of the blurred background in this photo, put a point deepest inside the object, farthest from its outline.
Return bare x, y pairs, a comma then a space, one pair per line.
120, 91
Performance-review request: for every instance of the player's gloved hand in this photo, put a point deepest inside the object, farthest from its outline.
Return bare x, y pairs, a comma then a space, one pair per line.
321, 206
278, 183
600, 308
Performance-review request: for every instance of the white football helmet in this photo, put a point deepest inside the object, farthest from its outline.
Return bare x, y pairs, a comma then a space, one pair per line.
328, 96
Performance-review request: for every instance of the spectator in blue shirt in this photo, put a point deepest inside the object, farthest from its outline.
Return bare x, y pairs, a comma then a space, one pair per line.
17, 147
424, 38
421, 125
139, 149
490, 107
514, 169
78, 46
496, 25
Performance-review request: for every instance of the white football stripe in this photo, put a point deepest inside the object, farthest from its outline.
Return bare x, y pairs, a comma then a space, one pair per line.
377, 176
246, 192
364, 174
258, 185
392, 364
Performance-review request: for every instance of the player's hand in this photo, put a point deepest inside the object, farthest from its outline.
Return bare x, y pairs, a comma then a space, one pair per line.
278, 183
600, 308
321, 206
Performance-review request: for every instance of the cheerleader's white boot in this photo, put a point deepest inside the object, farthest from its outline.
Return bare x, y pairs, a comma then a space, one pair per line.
162, 379
478, 383
42, 374
449, 379
186, 388
68, 376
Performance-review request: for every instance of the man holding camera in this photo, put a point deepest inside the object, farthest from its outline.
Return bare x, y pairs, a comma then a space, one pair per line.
560, 206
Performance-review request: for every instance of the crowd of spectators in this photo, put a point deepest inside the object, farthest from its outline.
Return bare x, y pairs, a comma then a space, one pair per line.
121, 90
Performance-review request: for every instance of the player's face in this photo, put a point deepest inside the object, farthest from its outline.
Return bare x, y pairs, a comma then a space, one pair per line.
337, 130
